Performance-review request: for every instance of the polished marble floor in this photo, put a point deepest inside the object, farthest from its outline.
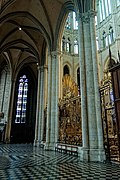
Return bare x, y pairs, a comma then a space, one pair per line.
24, 161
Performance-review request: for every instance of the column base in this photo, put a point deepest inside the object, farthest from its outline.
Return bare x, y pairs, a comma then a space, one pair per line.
7, 141
37, 143
49, 146
95, 155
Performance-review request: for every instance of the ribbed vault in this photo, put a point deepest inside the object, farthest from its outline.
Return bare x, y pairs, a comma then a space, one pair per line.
27, 27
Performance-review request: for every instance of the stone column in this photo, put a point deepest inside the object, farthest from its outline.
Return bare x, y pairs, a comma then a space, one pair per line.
37, 109
89, 90
83, 90
60, 76
90, 84
41, 106
45, 84
10, 112
48, 103
53, 101
43, 100
96, 86
52, 110
58, 81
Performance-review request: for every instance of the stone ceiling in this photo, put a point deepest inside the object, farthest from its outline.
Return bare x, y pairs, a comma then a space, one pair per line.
27, 27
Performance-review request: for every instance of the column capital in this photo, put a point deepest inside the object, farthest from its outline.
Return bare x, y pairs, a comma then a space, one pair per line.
85, 17
55, 53
45, 67
41, 68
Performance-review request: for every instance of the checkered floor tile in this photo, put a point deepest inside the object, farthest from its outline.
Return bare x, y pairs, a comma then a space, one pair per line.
26, 162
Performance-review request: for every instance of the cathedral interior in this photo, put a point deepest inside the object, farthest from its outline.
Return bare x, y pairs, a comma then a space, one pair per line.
59, 88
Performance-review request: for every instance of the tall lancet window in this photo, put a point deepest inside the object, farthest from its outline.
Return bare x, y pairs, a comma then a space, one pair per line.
75, 46
109, 6
22, 100
105, 39
75, 22
68, 45
104, 8
118, 2
63, 44
68, 22
66, 70
111, 35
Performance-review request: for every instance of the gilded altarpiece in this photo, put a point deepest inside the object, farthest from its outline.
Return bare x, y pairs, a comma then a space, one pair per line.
109, 118
70, 131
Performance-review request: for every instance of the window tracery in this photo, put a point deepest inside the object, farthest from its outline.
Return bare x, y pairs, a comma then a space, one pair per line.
22, 100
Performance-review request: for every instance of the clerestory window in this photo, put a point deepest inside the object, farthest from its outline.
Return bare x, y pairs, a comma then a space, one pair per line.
104, 9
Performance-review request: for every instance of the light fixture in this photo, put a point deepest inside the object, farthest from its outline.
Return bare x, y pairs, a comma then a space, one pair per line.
20, 28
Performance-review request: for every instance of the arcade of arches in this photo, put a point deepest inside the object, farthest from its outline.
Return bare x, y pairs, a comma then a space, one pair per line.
42, 100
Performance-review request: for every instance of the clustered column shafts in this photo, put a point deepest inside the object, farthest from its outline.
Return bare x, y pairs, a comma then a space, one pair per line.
90, 86
37, 109
96, 85
53, 100
90, 99
53, 97
83, 87
49, 102
41, 118
10, 112
40, 107
57, 95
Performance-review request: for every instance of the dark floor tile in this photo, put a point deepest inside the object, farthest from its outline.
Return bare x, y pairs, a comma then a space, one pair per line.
26, 162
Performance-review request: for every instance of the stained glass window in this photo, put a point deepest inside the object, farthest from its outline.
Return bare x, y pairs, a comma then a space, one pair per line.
22, 100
